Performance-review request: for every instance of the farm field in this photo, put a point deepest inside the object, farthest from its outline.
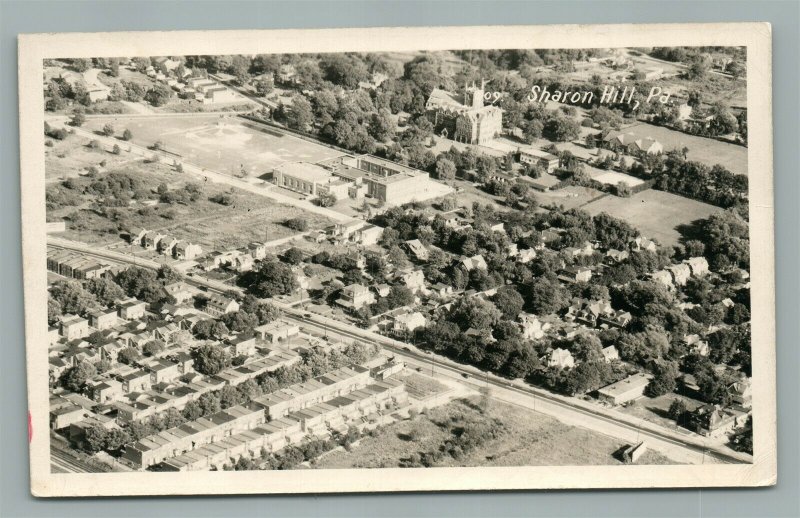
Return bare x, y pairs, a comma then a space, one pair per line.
706, 150
657, 214
211, 225
527, 439
222, 144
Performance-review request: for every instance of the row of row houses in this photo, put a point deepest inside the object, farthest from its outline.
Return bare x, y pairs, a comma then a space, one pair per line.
320, 420
75, 265
269, 408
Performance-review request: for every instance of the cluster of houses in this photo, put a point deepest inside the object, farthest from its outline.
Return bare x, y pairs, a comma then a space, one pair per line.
202, 89
163, 244
160, 375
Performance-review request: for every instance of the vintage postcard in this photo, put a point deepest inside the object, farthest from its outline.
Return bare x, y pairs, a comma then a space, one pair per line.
398, 259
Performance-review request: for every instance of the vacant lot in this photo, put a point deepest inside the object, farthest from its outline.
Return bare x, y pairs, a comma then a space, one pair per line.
657, 214
527, 439
220, 143
72, 157
211, 225
706, 150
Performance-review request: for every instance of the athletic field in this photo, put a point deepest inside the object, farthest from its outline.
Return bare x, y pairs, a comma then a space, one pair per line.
220, 143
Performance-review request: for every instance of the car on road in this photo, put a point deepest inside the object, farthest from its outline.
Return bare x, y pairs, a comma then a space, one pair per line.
306, 315
465, 375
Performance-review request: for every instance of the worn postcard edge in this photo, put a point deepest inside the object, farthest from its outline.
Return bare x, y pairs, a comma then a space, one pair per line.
33, 48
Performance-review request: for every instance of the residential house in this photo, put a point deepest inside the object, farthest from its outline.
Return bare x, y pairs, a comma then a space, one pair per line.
561, 358
531, 327
167, 245
369, 235
575, 274
714, 421
680, 273
698, 265
413, 280
152, 239
526, 255
258, 251
442, 290
610, 353
218, 305
382, 289
136, 381
163, 371
102, 319
617, 318
474, 262
616, 256
664, 277
241, 345
106, 390
642, 243
184, 250
179, 291
407, 322
136, 236
355, 297
74, 327
417, 249
696, 344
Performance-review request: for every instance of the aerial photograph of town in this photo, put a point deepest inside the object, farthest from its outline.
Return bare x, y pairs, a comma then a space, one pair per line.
464, 258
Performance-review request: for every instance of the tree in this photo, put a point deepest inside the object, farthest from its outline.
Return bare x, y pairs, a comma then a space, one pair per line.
546, 296
75, 378
271, 278
445, 169
663, 382
382, 126
399, 296
72, 297
294, 256
326, 199
78, 118
509, 302
159, 95
299, 116
474, 313
127, 135
299, 224
264, 86
210, 329
677, 410
108, 130
128, 356
105, 291
53, 310
561, 129
153, 347
96, 438
210, 359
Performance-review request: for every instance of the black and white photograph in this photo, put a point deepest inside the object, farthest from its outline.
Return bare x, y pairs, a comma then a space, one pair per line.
416, 261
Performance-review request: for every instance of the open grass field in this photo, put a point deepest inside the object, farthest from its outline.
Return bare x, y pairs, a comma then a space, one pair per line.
657, 214
220, 143
527, 439
706, 150
72, 157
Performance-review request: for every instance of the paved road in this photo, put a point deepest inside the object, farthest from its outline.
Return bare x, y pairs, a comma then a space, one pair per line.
690, 449
261, 189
